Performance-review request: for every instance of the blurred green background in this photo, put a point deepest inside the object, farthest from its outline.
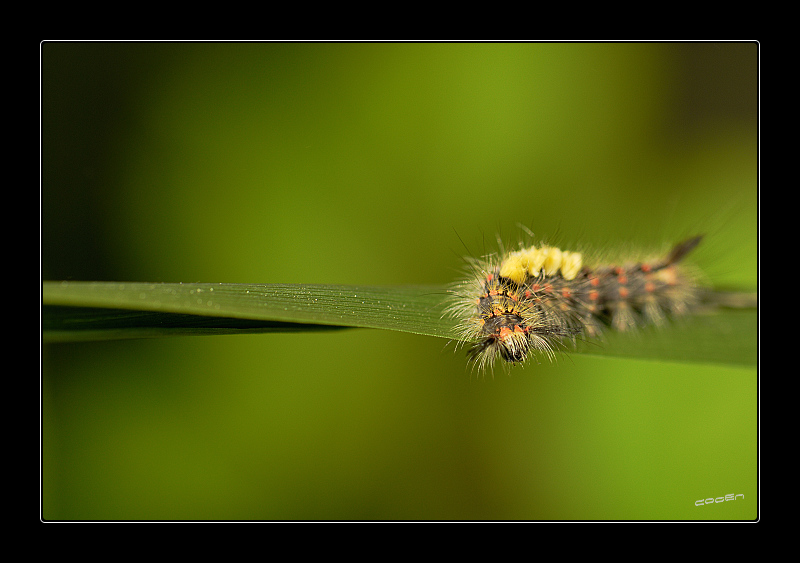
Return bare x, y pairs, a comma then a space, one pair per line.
384, 164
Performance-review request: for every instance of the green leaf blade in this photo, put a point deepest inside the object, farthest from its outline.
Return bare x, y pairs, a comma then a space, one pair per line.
416, 309
77, 311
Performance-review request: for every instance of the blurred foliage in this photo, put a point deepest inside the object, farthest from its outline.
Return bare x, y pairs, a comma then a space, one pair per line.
382, 164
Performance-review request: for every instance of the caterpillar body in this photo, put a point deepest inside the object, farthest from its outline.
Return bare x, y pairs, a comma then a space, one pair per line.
536, 299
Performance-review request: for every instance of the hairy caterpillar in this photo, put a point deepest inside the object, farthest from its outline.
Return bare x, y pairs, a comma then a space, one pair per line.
535, 299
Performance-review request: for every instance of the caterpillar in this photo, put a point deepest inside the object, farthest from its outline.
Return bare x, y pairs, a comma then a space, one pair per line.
536, 299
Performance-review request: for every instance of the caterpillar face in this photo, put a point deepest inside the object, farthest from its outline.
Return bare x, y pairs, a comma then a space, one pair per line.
538, 299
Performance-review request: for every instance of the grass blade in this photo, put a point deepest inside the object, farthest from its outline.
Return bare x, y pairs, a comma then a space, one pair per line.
80, 310
76, 311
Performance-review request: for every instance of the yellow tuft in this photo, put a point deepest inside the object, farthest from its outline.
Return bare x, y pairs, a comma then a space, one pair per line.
552, 262
513, 268
571, 264
535, 257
